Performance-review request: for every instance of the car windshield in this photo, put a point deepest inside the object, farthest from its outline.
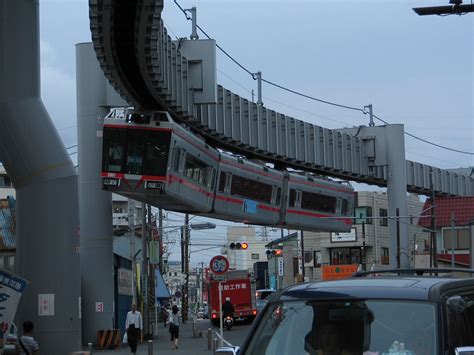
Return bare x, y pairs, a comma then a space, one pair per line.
346, 327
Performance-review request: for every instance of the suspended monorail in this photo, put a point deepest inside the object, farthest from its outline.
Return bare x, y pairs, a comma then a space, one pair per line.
148, 157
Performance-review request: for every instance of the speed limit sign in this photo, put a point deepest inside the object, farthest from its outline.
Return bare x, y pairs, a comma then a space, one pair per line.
219, 264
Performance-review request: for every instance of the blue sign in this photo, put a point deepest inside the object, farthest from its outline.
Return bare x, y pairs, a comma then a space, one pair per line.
273, 282
250, 206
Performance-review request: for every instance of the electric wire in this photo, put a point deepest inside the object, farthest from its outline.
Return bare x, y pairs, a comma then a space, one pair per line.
427, 141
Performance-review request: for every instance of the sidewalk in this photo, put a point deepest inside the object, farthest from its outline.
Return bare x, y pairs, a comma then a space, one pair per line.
162, 344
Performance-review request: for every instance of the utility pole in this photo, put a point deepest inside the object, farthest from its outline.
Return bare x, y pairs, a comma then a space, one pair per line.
161, 245
131, 228
185, 255
452, 238
398, 238
144, 271
151, 276
364, 258
433, 220
302, 254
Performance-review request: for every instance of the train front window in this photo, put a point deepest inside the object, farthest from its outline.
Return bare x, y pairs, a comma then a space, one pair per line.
113, 149
135, 146
157, 146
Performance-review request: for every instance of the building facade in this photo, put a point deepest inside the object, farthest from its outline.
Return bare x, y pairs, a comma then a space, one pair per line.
367, 244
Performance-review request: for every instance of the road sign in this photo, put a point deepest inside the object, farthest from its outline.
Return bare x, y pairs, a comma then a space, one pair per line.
177, 294
221, 278
219, 264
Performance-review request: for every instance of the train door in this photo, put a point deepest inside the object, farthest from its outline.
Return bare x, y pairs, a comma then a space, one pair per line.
221, 200
175, 170
293, 209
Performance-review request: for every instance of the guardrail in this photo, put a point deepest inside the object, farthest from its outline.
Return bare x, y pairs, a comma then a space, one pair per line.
214, 339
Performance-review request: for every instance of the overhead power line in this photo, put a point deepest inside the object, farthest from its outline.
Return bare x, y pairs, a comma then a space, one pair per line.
254, 76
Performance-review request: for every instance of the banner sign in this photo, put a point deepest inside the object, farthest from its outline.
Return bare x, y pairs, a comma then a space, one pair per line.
11, 289
337, 272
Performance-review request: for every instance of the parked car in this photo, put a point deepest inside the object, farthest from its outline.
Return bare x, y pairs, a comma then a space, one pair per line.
392, 311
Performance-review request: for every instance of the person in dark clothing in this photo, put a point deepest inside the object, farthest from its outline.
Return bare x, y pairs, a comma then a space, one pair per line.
227, 308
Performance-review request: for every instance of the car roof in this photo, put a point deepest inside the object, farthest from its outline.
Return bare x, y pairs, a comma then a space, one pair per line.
404, 288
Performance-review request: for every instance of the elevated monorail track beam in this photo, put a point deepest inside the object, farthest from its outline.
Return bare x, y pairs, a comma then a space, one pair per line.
145, 66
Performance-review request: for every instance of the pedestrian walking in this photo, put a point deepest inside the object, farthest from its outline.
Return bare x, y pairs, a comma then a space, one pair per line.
134, 326
28, 344
173, 320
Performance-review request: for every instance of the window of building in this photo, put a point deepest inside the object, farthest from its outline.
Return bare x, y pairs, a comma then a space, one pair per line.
317, 258
251, 189
461, 239
255, 256
317, 202
345, 256
369, 215
383, 221
385, 259
308, 257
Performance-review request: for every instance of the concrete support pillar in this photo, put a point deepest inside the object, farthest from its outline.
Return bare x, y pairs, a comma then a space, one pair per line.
397, 193
94, 98
95, 205
46, 187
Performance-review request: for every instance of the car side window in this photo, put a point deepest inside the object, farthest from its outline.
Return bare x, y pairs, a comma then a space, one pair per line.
460, 321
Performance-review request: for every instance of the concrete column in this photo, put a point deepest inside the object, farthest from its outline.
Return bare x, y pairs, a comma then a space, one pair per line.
46, 186
94, 98
95, 205
397, 193
288, 278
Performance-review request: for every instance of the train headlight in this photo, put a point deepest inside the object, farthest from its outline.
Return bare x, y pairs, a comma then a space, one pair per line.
111, 182
154, 185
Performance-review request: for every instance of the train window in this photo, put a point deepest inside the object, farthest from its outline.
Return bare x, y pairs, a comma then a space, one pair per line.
222, 180
210, 177
195, 169
113, 149
251, 189
345, 206
177, 158
134, 153
278, 196
157, 146
318, 202
292, 199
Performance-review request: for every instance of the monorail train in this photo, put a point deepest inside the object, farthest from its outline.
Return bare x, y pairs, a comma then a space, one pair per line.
149, 158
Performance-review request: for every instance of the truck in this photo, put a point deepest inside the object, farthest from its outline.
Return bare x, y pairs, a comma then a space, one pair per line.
239, 286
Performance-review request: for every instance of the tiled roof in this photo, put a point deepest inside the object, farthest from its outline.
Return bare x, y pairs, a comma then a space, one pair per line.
462, 207
7, 226
462, 259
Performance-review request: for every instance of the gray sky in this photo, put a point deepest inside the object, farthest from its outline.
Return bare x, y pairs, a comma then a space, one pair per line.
414, 70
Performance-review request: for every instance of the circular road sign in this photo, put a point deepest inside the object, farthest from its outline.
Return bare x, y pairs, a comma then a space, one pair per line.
177, 294
219, 264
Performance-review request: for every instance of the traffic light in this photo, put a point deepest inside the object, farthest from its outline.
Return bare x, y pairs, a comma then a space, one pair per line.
274, 252
238, 246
